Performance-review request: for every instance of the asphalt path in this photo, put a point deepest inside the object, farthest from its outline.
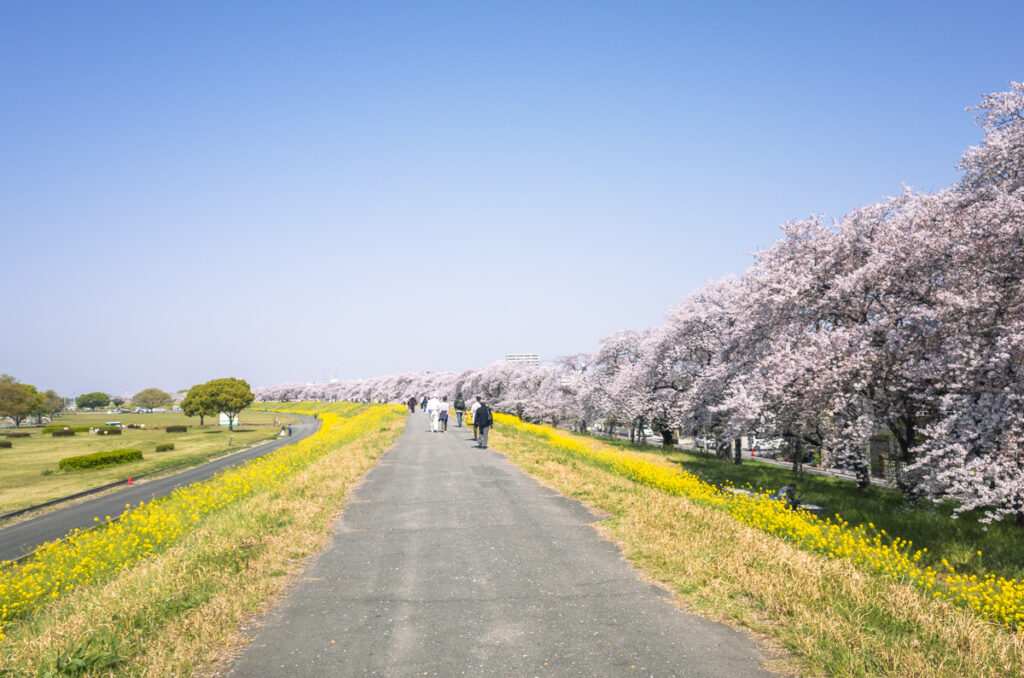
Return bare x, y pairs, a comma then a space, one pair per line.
450, 561
22, 538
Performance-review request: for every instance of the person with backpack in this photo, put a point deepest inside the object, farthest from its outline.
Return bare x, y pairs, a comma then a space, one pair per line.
483, 420
472, 415
460, 408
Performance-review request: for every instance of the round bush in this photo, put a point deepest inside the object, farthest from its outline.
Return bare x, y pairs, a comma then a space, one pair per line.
5, 443
164, 447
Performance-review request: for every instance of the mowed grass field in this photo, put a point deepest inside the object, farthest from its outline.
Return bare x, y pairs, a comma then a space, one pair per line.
29, 472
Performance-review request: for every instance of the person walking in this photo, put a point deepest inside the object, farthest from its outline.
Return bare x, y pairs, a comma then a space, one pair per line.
483, 419
412, 404
472, 415
460, 408
434, 410
443, 414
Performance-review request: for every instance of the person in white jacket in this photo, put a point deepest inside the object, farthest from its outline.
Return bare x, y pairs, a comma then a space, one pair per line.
472, 415
443, 413
434, 412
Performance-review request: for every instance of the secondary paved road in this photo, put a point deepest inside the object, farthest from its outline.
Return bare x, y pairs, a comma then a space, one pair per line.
21, 538
452, 562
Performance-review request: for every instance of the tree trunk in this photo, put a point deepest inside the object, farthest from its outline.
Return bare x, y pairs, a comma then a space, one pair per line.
798, 458
666, 438
737, 451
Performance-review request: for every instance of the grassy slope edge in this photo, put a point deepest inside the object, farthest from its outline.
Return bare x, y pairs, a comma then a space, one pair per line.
830, 617
174, 613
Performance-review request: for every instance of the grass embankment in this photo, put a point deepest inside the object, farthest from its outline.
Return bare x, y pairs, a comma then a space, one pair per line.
162, 591
836, 612
958, 542
29, 472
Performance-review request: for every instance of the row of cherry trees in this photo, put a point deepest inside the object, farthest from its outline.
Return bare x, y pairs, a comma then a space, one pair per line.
905, 316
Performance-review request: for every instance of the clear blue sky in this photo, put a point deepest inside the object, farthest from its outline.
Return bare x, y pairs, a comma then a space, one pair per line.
299, 191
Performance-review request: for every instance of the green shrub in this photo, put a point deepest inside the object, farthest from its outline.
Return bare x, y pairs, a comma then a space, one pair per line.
59, 427
63, 432
99, 459
18, 434
164, 447
109, 430
177, 429
5, 443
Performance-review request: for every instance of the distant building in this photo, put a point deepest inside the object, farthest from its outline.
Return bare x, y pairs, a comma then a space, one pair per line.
531, 358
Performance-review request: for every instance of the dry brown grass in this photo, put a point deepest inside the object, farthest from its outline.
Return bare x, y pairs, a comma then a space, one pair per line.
180, 612
830, 617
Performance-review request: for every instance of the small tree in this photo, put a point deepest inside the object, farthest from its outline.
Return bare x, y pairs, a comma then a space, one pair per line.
117, 400
230, 396
18, 400
52, 403
150, 398
90, 401
198, 402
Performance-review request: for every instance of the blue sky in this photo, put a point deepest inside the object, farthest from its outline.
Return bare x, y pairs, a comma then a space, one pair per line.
299, 191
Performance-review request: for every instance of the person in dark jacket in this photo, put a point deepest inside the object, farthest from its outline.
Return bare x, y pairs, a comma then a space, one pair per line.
483, 420
460, 408
412, 404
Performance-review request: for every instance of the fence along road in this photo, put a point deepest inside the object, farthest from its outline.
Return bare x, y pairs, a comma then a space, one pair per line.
450, 561
24, 537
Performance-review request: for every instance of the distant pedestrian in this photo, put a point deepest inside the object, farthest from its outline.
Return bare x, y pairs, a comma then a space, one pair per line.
443, 414
460, 408
472, 415
483, 420
423, 403
787, 494
289, 429
412, 404
434, 410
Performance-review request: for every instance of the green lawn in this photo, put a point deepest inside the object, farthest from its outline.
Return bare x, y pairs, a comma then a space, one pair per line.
29, 474
958, 541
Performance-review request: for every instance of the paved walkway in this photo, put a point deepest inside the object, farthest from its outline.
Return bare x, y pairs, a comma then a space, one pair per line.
452, 562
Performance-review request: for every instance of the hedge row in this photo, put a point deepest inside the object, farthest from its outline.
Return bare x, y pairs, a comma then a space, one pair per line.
59, 427
99, 459
18, 434
5, 443
177, 429
63, 432
109, 430
165, 447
